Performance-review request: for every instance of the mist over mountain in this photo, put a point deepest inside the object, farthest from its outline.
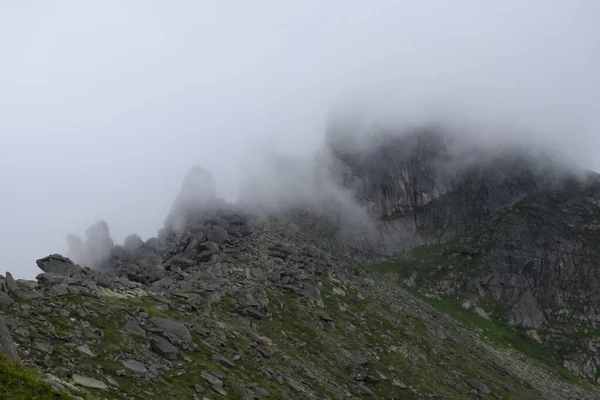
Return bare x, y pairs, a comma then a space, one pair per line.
129, 96
340, 200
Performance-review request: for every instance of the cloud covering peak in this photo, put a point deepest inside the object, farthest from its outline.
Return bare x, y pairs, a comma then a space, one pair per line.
105, 106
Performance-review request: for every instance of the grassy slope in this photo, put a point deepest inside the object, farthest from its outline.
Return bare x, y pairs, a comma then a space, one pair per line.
20, 383
461, 258
297, 342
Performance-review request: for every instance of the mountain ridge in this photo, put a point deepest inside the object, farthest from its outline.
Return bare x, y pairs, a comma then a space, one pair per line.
227, 303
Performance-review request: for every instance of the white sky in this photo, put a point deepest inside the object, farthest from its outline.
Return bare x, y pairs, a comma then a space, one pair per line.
104, 105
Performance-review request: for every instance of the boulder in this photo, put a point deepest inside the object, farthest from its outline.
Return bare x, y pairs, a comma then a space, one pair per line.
5, 300
133, 327
49, 279
61, 289
58, 265
163, 348
135, 366
10, 282
314, 293
26, 294
27, 284
172, 327
89, 382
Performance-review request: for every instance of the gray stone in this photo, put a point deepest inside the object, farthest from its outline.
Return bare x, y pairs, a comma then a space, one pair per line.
135, 366
22, 332
313, 292
133, 327
11, 284
172, 327
26, 294
262, 392
356, 357
211, 378
111, 381
49, 279
217, 359
58, 383
61, 289
474, 383
208, 249
44, 347
58, 265
86, 350
182, 262
27, 284
89, 382
219, 389
7, 346
399, 383
5, 300
164, 348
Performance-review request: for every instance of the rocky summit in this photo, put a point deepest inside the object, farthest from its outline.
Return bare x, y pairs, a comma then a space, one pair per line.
475, 276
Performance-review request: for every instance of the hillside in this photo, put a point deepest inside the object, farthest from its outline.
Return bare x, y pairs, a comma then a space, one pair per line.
472, 282
510, 233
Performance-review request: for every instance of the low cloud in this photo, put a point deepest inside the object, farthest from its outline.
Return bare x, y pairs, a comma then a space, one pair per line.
105, 106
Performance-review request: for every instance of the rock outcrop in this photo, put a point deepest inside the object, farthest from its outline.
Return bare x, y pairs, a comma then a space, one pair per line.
509, 231
197, 195
428, 186
97, 248
7, 346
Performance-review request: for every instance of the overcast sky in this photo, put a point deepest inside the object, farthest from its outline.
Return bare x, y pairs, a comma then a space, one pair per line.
104, 105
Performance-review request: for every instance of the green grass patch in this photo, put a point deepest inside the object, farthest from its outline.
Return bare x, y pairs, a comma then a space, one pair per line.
20, 383
499, 334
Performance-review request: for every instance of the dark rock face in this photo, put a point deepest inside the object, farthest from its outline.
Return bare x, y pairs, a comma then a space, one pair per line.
58, 265
7, 346
512, 232
429, 186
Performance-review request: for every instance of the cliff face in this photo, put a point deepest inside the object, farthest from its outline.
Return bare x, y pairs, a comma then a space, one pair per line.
428, 186
512, 234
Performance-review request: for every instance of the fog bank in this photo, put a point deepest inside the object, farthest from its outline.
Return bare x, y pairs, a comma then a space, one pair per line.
105, 106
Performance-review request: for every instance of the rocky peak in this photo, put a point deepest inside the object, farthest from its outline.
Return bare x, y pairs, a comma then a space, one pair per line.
429, 185
198, 194
96, 250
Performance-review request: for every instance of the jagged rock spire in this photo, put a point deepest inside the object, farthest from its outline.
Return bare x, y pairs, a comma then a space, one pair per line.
198, 193
96, 249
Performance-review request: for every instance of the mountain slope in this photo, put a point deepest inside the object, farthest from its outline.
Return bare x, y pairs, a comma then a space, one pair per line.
475, 278
509, 233
269, 324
